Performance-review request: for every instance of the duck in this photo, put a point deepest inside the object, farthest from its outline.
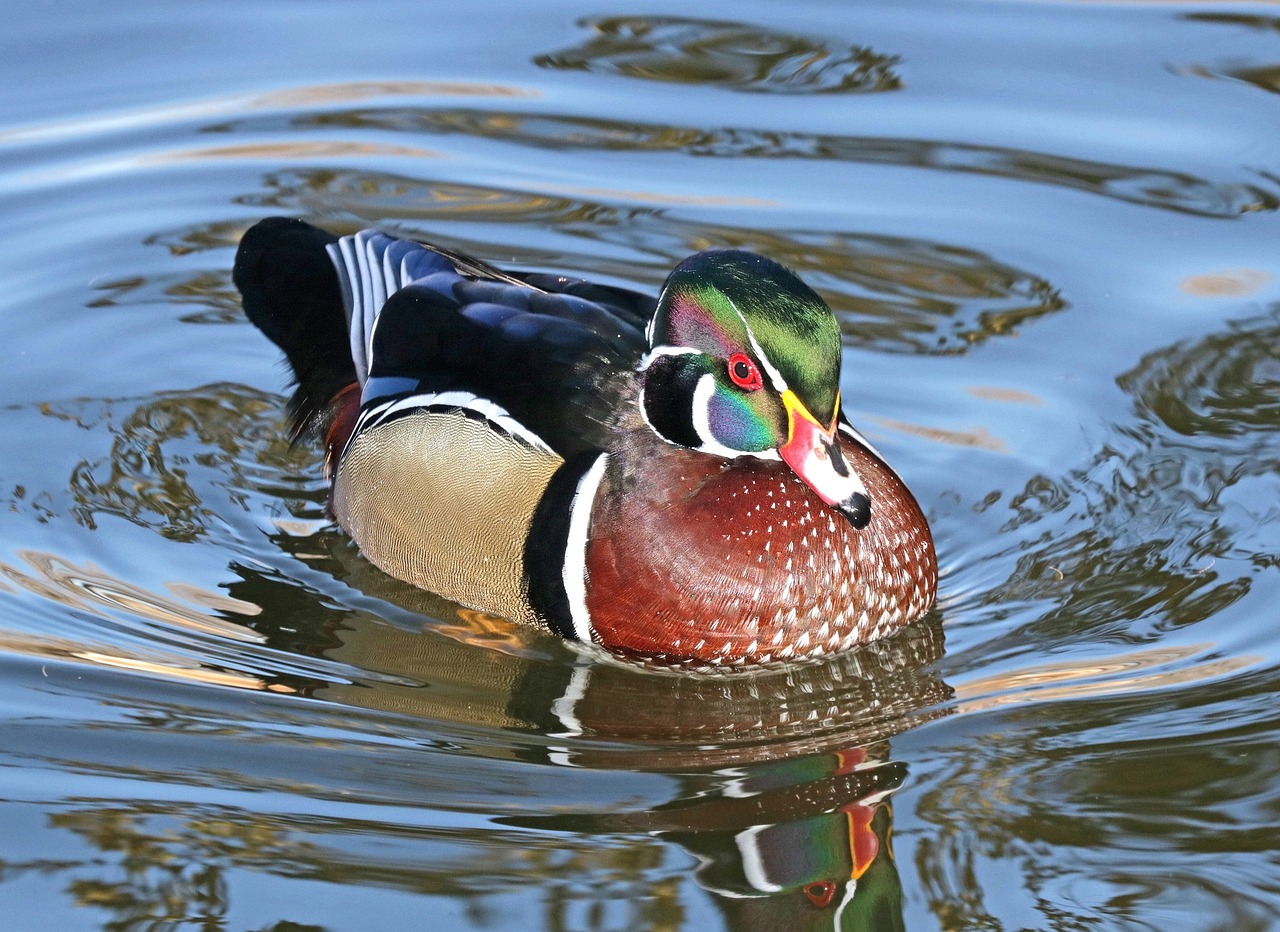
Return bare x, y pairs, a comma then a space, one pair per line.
671, 478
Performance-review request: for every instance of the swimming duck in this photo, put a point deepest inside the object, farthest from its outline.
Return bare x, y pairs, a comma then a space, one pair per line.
672, 479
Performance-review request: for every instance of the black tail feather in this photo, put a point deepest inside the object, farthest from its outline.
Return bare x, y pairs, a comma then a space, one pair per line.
291, 293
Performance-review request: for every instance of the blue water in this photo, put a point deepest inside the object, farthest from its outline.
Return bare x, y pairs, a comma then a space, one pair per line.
1050, 234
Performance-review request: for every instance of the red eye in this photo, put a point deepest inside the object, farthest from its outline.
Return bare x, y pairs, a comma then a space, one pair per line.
744, 372
820, 893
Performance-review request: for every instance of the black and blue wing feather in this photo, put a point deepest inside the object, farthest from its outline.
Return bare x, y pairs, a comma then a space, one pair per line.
399, 317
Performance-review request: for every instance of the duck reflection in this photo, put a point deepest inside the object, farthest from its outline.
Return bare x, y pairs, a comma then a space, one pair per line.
781, 779
488, 671
802, 843
776, 785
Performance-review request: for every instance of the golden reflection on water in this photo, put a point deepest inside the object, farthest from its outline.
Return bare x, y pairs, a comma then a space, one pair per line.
745, 57
1228, 283
344, 92
202, 675
235, 105
88, 588
659, 197
1087, 678
1004, 394
1147, 185
287, 151
979, 438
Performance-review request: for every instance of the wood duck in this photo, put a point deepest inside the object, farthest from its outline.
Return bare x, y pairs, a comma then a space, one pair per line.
672, 479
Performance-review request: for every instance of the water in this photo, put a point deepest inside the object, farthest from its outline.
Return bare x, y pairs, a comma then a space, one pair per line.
1050, 233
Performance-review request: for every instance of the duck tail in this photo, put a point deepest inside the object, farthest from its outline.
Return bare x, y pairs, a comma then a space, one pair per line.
292, 293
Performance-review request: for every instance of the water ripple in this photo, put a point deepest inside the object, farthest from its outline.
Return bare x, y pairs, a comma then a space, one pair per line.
1170, 524
737, 56
1224, 388
1148, 186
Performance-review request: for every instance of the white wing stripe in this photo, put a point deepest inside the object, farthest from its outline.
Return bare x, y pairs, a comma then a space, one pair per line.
373, 272
344, 281
495, 414
390, 274
353, 295
368, 274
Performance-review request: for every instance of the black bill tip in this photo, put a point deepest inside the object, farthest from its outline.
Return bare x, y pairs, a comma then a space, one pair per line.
857, 508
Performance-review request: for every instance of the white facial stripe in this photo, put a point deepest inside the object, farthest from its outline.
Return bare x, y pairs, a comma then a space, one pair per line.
702, 418
702, 425
658, 351
752, 864
779, 383
574, 572
647, 361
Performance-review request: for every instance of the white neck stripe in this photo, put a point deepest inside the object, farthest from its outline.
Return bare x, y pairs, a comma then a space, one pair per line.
779, 383
574, 571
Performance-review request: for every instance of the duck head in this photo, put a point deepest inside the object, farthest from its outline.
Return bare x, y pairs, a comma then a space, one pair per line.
744, 360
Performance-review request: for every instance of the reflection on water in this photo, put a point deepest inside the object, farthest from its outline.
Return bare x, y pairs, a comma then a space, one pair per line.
1169, 528
739, 56
1223, 389
1265, 77
804, 843
162, 452
163, 864
169, 866
890, 293
676, 721
1182, 192
88, 589
776, 786
1050, 244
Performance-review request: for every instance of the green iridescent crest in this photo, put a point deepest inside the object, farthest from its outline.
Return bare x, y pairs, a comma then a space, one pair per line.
711, 299
721, 315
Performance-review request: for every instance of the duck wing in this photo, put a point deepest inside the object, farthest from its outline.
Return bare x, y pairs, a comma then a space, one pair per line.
404, 319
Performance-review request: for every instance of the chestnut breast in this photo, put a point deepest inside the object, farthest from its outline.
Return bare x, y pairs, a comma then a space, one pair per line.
738, 561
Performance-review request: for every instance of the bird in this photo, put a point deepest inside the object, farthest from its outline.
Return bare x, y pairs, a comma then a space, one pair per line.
672, 479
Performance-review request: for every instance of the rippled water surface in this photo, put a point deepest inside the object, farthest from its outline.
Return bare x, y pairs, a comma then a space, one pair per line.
1050, 234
